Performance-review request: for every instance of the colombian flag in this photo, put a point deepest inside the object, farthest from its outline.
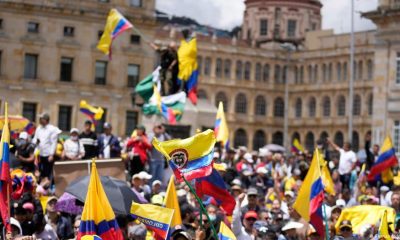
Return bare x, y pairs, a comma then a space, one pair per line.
214, 186
94, 113
188, 72
171, 201
5, 178
115, 25
225, 233
384, 228
221, 128
311, 196
297, 147
98, 217
167, 112
191, 157
156, 218
385, 161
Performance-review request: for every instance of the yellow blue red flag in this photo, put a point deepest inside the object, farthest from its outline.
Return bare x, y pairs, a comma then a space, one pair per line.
91, 237
188, 72
115, 25
225, 233
98, 217
386, 160
5, 178
156, 218
171, 201
297, 147
221, 127
191, 157
94, 113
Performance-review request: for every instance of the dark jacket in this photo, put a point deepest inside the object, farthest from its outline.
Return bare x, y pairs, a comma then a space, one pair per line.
115, 148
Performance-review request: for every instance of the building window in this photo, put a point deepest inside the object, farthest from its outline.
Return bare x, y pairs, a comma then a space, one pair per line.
310, 141
356, 141
357, 105
227, 68
241, 103
136, 3
326, 107
279, 108
296, 74
345, 71
221, 97
396, 136
315, 77
258, 72
310, 73
69, 31
259, 140
313, 26
131, 121
199, 64
263, 27
135, 39
266, 73
277, 74
64, 117
218, 68
360, 70
100, 123
323, 136
239, 70
101, 73
370, 104
341, 106
284, 74
302, 74
312, 104
240, 138
66, 69
298, 108
370, 68
202, 94
207, 66
99, 34
291, 28
33, 27
31, 65
247, 71
133, 75
1, 23
339, 140
260, 107
339, 71
324, 73
277, 138
329, 72
29, 111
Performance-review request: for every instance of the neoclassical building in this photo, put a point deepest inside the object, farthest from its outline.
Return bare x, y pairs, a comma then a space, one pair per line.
49, 62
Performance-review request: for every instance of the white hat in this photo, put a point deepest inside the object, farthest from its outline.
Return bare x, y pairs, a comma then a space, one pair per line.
216, 155
181, 192
248, 157
243, 148
384, 189
144, 175
340, 202
292, 225
289, 193
15, 222
236, 182
23, 135
156, 182
262, 170
263, 152
74, 130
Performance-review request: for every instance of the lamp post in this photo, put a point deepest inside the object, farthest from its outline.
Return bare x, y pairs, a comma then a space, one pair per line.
289, 48
352, 73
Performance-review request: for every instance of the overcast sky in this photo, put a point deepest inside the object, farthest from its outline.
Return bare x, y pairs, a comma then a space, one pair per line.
227, 14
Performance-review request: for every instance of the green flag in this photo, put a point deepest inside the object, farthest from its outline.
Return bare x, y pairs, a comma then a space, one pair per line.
145, 88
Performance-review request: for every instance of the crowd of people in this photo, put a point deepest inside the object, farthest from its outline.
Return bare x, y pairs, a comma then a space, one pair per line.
264, 183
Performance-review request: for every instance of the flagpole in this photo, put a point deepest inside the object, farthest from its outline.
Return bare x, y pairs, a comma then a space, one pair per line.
203, 210
323, 205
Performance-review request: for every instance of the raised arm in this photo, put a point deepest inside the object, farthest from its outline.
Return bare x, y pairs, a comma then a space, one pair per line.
336, 147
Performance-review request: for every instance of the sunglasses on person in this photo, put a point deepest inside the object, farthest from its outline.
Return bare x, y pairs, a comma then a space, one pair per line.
251, 196
251, 219
345, 229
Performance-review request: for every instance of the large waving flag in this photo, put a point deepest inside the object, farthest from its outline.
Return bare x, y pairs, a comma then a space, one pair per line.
171, 202
327, 181
156, 218
145, 87
383, 231
214, 186
188, 72
98, 217
190, 157
225, 233
297, 147
385, 161
115, 25
221, 127
94, 113
311, 196
5, 178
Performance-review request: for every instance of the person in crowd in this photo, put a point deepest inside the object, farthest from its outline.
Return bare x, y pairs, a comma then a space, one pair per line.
140, 146
372, 154
346, 231
395, 202
108, 144
77, 223
45, 138
73, 147
136, 184
89, 141
59, 223
24, 153
157, 160
252, 200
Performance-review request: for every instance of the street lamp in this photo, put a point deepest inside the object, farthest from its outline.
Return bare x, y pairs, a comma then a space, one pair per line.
289, 48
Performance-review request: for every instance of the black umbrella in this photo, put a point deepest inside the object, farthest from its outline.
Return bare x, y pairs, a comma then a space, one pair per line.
118, 192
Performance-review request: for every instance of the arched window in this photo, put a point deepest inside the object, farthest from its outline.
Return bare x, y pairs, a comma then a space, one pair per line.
357, 105
266, 73
326, 106
330, 72
310, 141
341, 106
296, 74
312, 104
221, 97
239, 70
277, 74
207, 66
277, 138
247, 71
241, 103
315, 77
199, 64
360, 70
370, 104
202, 94
258, 72
370, 68
240, 138
218, 68
356, 141
296, 135
339, 72
339, 139
310, 73
259, 139
227, 68
324, 73
279, 110
302, 74
298, 108
345, 71
260, 107
323, 136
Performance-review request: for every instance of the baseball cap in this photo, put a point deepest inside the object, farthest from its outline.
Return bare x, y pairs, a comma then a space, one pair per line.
156, 182
107, 125
51, 199
45, 116
157, 199
243, 148
23, 135
345, 223
340, 202
145, 175
248, 157
292, 225
141, 127
252, 191
289, 193
384, 188
136, 176
251, 214
74, 130
181, 232
28, 206
236, 182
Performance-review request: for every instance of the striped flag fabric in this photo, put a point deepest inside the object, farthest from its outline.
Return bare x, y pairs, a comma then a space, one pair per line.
5, 178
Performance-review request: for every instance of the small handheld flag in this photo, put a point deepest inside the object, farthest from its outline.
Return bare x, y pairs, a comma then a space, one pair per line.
385, 161
93, 113
297, 147
221, 127
225, 233
171, 201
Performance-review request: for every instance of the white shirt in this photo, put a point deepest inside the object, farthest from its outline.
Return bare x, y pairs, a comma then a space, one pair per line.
48, 233
346, 161
73, 149
106, 150
48, 137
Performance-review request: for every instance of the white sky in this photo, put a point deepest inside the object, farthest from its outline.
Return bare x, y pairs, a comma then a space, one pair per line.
226, 14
